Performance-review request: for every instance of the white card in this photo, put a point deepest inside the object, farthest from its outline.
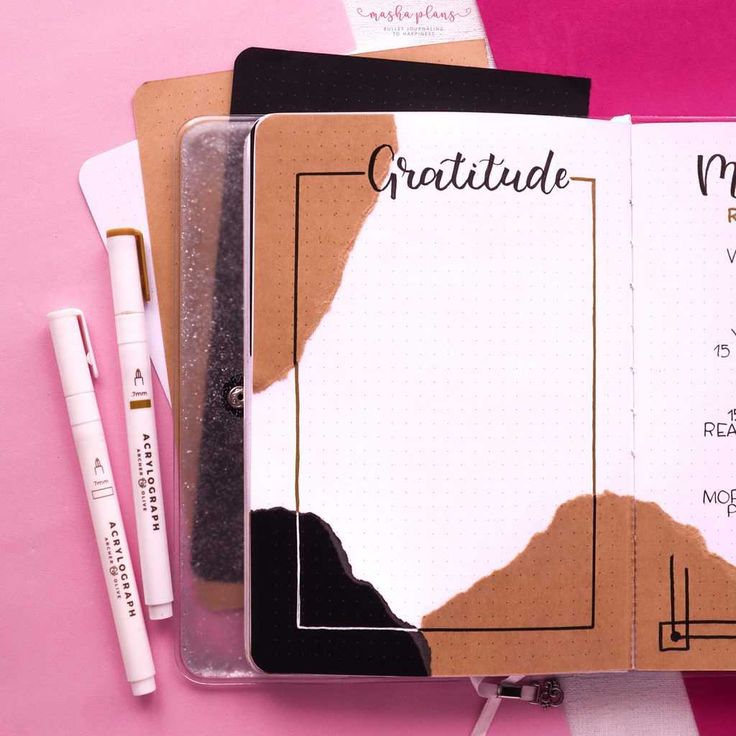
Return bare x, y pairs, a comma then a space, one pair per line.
112, 184
381, 24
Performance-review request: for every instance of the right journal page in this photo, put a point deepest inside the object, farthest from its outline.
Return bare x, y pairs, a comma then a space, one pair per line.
684, 246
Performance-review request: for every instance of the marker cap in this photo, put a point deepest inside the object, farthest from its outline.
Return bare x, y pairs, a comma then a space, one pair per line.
127, 270
143, 687
73, 350
159, 611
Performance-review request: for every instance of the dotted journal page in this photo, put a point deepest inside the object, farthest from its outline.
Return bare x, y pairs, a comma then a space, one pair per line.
684, 222
472, 374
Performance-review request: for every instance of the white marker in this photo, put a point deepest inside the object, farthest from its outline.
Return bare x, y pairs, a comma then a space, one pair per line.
75, 359
129, 290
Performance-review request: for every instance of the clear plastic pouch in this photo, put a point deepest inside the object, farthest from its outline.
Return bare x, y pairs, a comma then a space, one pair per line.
209, 415
210, 399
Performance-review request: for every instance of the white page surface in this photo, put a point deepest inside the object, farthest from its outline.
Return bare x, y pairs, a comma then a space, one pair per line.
446, 398
685, 344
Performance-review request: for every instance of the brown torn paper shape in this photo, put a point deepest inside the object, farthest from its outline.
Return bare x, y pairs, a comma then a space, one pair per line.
337, 207
543, 601
683, 614
685, 597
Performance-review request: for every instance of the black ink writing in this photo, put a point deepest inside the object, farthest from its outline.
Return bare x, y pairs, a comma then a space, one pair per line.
704, 171
726, 498
487, 173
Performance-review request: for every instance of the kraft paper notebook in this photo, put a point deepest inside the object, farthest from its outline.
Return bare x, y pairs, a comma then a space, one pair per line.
492, 398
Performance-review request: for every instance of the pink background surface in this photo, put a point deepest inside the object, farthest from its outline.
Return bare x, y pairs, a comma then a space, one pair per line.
68, 72
646, 57
712, 701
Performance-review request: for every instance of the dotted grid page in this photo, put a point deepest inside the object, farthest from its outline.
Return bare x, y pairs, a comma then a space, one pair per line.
446, 398
685, 345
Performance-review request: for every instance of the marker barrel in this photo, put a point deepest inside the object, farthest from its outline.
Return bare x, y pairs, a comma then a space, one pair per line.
129, 290
145, 472
75, 359
114, 552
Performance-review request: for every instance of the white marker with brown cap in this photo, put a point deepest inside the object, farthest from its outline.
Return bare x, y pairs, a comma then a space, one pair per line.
129, 291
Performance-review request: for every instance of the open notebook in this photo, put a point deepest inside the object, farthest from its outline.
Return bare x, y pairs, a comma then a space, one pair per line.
491, 414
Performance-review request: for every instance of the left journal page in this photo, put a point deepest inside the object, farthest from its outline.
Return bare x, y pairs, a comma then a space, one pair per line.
441, 452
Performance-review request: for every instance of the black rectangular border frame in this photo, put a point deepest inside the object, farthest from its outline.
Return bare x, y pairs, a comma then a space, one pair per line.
594, 512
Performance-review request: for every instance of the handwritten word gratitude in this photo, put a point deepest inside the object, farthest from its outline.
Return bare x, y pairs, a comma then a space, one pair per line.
487, 173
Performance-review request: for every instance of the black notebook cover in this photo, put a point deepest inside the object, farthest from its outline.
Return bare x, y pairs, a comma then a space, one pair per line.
270, 80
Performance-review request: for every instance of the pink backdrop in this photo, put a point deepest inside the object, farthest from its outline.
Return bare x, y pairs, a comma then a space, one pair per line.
68, 73
646, 57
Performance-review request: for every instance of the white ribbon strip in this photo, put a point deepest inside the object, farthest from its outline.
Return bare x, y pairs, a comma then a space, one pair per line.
631, 703
488, 689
